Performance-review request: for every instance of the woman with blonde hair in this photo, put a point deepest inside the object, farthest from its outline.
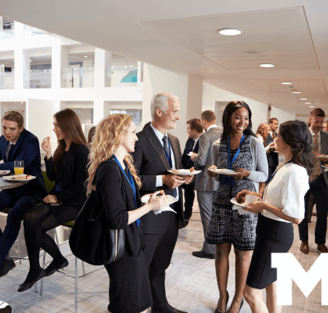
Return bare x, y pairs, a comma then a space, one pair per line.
114, 178
262, 133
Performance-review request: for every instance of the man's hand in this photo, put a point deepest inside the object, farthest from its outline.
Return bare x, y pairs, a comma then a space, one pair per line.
172, 181
194, 155
210, 173
50, 199
188, 179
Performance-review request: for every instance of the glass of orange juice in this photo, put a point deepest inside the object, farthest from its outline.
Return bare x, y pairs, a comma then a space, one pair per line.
19, 167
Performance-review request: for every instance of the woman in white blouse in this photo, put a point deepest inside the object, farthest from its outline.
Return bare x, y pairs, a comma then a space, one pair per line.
282, 204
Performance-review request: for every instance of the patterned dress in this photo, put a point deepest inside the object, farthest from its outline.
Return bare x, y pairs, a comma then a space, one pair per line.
228, 225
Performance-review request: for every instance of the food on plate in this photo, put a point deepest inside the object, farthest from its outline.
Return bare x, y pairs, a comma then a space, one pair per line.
161, 193
240, 198
21, 177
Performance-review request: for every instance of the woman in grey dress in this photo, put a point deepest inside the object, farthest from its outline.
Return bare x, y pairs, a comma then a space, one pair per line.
238, 149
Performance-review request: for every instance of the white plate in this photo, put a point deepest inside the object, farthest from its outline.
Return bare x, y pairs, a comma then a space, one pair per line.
170, 199
325, 167
191, 153
4, 172
322, 156
234, 201
184, 172
18, 178
223, 171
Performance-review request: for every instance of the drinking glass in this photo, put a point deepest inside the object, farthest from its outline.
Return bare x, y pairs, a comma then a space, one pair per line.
19, 167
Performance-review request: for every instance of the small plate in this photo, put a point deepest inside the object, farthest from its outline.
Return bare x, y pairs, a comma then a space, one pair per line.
170, 199
191, 153
223, 171
4, 172
184, 172
17, 178
321, 156
325, 167
243, 205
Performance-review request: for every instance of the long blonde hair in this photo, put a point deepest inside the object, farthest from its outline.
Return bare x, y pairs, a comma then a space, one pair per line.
108, 137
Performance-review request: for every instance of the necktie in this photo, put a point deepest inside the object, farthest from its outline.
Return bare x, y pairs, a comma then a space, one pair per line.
167, 152
273, 136
8, 151
317, 168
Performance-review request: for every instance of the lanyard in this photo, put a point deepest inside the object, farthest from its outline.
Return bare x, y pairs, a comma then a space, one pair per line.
275, 172
230, 161
131, 182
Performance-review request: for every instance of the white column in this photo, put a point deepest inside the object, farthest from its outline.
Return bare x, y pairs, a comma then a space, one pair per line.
98, 110
56, 65
22, 65
99, 68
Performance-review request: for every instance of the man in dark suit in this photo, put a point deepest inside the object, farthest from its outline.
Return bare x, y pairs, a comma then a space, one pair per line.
156, 152
273, 160
18, 144
194, 130
318, 185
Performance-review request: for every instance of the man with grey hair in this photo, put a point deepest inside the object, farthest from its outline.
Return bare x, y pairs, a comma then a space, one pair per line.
156, 152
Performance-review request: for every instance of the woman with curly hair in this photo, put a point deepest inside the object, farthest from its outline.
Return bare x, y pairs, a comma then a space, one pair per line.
282, 204
262, 133
68, 168
114, 178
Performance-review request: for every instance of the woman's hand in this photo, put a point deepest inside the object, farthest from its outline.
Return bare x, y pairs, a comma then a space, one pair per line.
157, 202
241, 196
242, 173
50, 199
45, 145
210, 173
255, 207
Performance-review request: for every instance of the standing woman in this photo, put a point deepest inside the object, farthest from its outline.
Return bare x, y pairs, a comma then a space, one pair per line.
237, 149
68, 168
115, 180
282, 205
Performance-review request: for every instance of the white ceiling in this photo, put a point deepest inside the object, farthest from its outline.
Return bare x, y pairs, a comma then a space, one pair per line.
180, 35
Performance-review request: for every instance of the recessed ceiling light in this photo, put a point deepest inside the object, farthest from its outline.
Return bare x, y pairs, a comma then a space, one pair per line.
30, 60
307, 102
286, 83
85, 56
296, 92
311, 106
267, 65
303, 98
229, 31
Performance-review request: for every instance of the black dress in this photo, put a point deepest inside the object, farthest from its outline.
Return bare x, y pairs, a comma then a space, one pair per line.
129, 290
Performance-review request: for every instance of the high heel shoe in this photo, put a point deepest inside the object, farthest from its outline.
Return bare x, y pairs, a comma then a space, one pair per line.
216, 311
27, 286
242, 302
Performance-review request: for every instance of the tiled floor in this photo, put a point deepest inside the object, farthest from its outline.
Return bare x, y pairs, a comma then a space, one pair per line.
190, 282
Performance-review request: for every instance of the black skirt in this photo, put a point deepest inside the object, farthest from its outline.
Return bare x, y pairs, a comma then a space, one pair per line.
271, 236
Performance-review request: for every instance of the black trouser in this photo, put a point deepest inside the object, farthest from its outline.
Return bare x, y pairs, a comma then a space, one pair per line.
189, 197
319, 189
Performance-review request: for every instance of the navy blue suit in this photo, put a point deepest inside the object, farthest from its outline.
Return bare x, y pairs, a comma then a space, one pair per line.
21, 198
189, 189
273, 159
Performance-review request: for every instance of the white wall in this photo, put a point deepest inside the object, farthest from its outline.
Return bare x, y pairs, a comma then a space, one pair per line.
282, 116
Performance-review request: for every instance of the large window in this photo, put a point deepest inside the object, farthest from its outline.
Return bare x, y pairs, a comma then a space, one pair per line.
136, 115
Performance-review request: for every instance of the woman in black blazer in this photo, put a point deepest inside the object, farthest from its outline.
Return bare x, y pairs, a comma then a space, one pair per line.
113, 176
68, 168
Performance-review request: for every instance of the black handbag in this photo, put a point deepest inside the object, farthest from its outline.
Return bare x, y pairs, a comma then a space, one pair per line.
91, 239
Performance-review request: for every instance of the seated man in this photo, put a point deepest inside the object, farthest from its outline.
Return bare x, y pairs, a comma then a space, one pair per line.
18, 144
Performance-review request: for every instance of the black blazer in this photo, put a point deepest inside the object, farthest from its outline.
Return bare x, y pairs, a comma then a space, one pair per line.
185, 159
114, 192
27, 148
150, 161
273, 159
72, 175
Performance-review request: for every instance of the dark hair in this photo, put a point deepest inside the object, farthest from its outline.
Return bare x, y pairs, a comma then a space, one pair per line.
272, 119
14, 116
229, 109
196, 124
91, 133
208, 116
317, 112
70, 125
296, 134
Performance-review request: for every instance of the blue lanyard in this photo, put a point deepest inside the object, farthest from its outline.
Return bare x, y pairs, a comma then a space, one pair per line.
275, 172
131, 182
236, 154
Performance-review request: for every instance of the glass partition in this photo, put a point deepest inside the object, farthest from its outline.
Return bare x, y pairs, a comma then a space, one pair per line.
77, 77
136, 115
121, 76
7, 80
33, 31
37, 79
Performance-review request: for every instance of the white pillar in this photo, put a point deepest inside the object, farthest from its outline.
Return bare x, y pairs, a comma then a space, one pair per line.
98, 110
99, 68
56, 65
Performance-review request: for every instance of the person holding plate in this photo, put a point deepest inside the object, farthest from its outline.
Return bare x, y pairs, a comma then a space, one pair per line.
17, 143
68, 168
114, 178
282, 204
239, 150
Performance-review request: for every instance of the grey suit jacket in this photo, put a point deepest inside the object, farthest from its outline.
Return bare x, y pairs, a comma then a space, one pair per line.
204, 160
324, 150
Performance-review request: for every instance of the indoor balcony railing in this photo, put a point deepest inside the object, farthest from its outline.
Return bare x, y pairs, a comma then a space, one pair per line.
34, 79
77, 77
121, 76
33, 31
7, 80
